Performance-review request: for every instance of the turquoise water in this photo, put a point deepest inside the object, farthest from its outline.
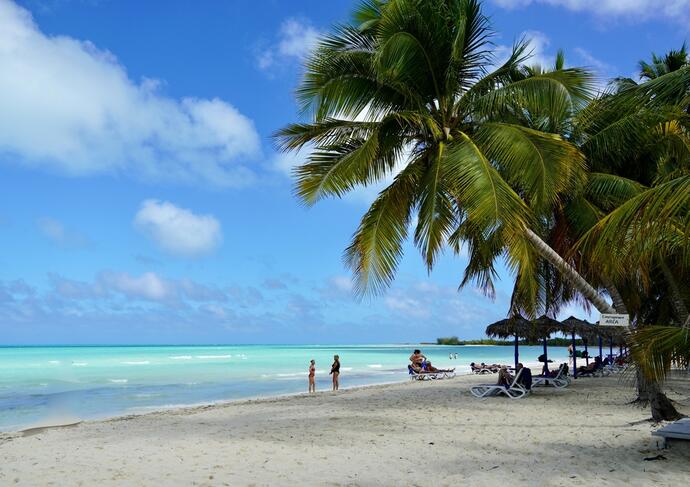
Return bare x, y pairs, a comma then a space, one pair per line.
49, 385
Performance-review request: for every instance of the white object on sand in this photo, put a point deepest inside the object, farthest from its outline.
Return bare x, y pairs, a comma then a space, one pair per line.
515, 391
679, 430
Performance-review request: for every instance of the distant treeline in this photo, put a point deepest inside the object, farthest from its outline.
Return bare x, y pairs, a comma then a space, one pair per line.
553, 342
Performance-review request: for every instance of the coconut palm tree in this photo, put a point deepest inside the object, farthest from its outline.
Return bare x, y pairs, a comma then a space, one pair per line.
413, 83
659, 66
650, 232
671, 61
482, 154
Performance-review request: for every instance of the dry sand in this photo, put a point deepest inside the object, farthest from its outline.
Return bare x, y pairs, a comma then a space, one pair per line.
424, 434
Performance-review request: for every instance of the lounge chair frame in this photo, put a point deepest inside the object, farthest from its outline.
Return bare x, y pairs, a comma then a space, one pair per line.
678, 430
559, 381
441, 374
515, 391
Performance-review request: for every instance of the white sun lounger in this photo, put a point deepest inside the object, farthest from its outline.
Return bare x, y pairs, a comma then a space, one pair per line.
559, 381
482, 370
679, 430
443, 374
515, 391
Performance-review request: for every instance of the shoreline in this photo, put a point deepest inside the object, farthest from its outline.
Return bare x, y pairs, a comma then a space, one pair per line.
431, 433
146, 410
191, 408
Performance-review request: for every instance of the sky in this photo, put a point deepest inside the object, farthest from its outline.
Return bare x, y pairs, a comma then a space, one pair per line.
143, 201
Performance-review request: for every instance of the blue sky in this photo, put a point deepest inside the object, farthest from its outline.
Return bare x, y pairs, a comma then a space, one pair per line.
143, 201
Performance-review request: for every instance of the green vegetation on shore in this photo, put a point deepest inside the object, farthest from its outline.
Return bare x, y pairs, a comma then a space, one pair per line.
552, 342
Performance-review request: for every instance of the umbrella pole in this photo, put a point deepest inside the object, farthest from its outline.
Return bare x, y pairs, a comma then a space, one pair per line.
574, 358
600, 351
586, 354
545, 369
516, 351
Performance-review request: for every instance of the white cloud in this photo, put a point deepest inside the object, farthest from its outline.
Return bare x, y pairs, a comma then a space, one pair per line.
286, 162
538, 46
178, 230
544, 55
629, 9
148, 286
295, 40
342, 283
70, 106
59, 234
592, 61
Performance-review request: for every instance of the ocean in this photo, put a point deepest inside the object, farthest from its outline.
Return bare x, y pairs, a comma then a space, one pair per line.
56, 385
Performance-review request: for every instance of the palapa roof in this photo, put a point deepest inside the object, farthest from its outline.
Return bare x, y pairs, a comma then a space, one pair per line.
517, 325
590, 331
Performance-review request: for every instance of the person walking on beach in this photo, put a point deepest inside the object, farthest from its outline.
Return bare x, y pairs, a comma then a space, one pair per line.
335, 371
312, 373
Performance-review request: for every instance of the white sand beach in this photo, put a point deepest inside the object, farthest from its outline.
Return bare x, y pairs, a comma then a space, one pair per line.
426, 434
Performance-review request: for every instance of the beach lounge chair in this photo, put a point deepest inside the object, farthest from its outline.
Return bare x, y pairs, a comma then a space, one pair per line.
482, 370
559, 381
679, 430
441, 374
514, 391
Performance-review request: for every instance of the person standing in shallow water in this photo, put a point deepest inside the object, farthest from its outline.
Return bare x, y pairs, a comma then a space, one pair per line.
335, 371
312, 373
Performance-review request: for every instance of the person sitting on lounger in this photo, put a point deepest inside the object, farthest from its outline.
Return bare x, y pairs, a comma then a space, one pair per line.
596, 365
504, 377
431, 368
526, 376
418, 358
493, 367
417, 369
587, 369
475, 367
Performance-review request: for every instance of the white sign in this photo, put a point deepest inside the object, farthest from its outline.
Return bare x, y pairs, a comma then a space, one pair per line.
614, 320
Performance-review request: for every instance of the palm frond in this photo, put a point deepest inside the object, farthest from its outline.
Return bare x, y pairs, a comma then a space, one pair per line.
376, 246
657, 348
486, 197
543, 166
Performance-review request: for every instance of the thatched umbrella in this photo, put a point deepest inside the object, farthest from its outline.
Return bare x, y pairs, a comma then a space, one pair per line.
515, 326
546, 326
584, 329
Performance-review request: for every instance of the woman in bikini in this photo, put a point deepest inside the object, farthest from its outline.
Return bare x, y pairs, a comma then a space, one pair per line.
312, 372
335, 371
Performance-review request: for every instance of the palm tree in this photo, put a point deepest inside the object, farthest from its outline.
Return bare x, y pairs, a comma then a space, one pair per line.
412, 80
487, 152
650, 232
671, 61
659, 66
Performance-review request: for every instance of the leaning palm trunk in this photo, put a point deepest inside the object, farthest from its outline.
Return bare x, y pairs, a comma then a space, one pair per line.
569, 273
616, 297
648, 390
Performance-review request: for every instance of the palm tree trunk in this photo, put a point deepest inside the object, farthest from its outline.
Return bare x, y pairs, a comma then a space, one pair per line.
616, 297
676, 297
569, 273
649, 392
